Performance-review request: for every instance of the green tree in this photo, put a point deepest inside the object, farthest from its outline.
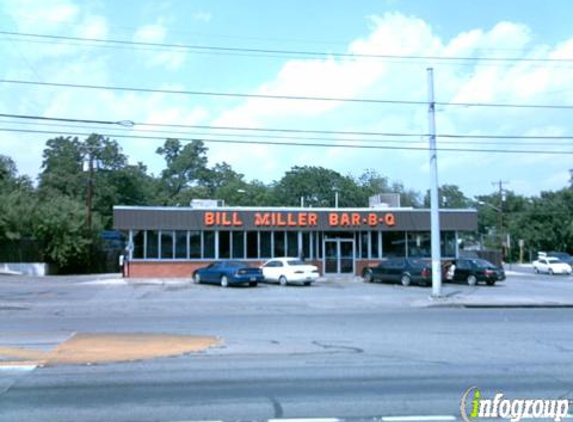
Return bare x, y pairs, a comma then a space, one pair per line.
450, 197
317, 185
186, 168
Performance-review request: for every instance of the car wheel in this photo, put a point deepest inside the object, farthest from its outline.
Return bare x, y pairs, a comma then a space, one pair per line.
536, 270
224, 281
490, 282
472, 280
197, 278
550, 271
282, 280
405, 280
253, 284
307, 283
367, 276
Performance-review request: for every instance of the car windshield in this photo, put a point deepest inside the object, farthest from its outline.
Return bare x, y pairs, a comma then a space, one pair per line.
553, 260
236, 264
482, 263
295, 262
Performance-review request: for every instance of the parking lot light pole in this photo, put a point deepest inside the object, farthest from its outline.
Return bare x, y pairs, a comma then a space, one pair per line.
434, 204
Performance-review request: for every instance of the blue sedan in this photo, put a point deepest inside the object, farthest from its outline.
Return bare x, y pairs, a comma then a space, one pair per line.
226, 273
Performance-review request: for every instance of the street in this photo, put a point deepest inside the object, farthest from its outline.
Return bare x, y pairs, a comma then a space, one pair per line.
336, 349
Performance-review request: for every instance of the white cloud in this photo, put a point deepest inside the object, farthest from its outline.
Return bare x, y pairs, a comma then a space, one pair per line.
395, 34
202, 17
171, 59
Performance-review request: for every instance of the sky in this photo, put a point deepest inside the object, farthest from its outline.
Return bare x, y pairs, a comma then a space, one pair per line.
417, 34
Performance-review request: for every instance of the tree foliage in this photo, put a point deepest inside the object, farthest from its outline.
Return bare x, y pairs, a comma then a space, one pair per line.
54, 213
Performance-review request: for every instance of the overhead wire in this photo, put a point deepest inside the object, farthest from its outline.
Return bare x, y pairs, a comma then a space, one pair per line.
300, 144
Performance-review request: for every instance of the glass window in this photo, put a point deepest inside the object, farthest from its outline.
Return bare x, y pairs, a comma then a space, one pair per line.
152, 244
266, 244
208, 244
292, 243
448, 244
138, 239
166, 245
195, 244
419, 245
306, 245
252, 245
279, 244
364, 244
393, 244
180, 244
318, 248
224, 244
374, 253
238, 245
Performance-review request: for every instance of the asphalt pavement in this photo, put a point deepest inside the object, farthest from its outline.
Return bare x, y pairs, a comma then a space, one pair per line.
338, 349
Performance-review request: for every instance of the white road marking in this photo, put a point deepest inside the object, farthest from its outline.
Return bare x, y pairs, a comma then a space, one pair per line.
306, 420
17, 368
418, 418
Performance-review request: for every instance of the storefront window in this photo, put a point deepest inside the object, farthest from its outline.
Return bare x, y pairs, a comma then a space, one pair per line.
180, 244
374, 253
266, 251
393, 244
252, 245
208, 244
195, 244
419, 245
138, 244
306, 245
292, 244
166, 245
279, 244
224, 245
238, 245
152, 245
364, 244
448, 243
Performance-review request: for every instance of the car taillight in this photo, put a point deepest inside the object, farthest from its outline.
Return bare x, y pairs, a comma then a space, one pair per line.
488, 273
241, 272
425, 272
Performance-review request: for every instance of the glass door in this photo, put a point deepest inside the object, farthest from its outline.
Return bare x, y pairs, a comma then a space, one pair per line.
339, 256
331, 256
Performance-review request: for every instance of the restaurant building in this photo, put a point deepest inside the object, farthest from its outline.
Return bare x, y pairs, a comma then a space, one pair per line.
174, 241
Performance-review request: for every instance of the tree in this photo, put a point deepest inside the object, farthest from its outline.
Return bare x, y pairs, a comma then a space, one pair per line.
317, 185
450, 196
186, 168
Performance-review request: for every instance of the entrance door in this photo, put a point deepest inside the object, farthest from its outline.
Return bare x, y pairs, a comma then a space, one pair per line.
339, 256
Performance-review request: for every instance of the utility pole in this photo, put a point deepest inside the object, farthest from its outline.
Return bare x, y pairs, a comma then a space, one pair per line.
434, 198
90, 190
501, 191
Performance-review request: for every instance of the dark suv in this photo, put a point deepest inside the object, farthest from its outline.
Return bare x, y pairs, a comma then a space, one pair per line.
402, 270
474, 270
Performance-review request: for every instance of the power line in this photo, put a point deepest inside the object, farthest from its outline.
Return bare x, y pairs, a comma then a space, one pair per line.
300, 144
131, 124
283, 97
305, 53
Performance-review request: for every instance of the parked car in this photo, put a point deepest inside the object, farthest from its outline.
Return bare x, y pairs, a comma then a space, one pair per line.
400, 270
226, 273
561, 256
474, 270
551, 265
289, 270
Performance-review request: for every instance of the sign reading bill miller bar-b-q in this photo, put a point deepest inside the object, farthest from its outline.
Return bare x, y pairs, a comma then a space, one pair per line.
298, 219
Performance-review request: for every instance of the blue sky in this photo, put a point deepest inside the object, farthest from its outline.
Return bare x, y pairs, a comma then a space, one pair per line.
521, 29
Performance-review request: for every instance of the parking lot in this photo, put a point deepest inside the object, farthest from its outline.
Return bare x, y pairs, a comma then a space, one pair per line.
338, 348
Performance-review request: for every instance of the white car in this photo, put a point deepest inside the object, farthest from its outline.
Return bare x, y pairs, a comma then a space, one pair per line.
289, 270
551, 266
